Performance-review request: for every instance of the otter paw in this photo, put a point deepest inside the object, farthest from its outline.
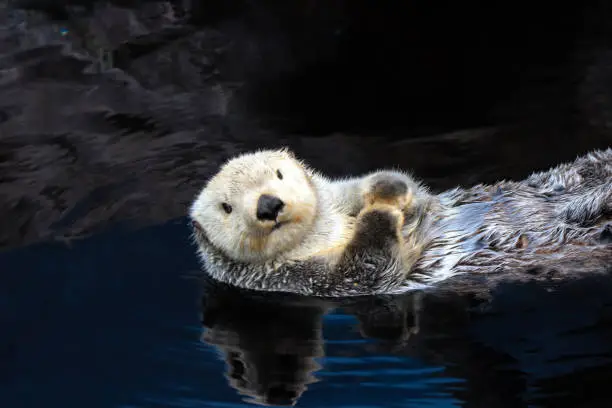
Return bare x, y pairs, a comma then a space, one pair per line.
381, 215
389, 189
378, 223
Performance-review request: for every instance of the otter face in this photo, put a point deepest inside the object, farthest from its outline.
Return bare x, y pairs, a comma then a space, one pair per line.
257, 206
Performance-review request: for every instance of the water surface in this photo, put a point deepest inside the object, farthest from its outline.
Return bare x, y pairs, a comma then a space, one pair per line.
125, 319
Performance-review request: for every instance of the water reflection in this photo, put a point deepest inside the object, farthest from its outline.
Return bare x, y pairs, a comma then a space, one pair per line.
278, 347
523, 345
270, 349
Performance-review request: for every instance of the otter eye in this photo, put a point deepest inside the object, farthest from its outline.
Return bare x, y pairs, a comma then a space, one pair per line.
226, 207
279, 174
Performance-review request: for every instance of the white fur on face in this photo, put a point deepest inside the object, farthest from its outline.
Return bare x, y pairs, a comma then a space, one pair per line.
239, 184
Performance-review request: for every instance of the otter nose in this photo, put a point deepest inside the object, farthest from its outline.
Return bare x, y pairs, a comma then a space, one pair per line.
268, 207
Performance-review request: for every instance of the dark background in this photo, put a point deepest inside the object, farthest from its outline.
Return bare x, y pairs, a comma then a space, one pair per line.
458, 92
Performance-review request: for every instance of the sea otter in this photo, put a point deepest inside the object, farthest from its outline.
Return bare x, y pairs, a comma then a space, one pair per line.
268, 221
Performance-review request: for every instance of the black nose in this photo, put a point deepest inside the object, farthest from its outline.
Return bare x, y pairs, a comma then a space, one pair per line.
268, 207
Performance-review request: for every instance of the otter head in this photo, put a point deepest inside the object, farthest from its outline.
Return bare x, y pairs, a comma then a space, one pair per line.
257, 206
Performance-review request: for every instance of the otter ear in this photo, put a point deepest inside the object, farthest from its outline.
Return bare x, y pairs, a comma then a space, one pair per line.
287, 151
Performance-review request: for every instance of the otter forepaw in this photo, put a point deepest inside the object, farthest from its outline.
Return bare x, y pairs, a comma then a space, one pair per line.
377, 224
390, 189
379, 210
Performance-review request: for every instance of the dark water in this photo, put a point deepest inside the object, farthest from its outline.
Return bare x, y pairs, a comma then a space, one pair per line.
122, 320
112, 115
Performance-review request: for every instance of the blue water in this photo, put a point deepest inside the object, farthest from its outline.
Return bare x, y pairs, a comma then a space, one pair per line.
116, 320
113, 321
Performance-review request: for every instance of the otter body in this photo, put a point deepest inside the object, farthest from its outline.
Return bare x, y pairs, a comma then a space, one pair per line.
553, 224
266, 221
291, 229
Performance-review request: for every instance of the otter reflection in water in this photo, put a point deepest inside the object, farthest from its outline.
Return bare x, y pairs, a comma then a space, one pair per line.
519, 344
269, 343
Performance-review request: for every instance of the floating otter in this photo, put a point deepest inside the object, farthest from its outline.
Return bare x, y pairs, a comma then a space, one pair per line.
269, 222
384, 232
